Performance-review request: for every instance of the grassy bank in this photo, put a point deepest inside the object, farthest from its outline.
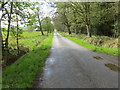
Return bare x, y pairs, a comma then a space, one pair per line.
111, 51
28, 41
22, 73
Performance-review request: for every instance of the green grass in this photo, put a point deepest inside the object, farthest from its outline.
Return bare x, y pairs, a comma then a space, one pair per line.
111, 51
22, 73
0, 79
29, 39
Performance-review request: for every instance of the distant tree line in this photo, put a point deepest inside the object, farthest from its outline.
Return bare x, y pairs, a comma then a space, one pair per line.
91, 18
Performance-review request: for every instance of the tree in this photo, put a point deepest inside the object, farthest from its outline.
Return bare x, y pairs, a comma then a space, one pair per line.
2, 8
13, 12
83, 10
64, 12
8, 30
47, 25
40, 25
88, 17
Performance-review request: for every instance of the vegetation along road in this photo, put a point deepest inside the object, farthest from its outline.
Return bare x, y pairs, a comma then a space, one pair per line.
49, 44
70, 65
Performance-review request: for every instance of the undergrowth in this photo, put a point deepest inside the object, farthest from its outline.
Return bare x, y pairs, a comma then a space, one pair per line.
111, 51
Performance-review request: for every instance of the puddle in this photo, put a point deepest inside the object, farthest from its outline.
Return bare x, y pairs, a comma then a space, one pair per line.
48, 73
113, 67
50, 61
97, 57
52, 48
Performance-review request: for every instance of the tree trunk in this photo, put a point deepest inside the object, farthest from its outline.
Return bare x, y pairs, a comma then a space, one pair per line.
67, 23
68, 27
47, 28
6, 40
76, 29
9, 22
75, 20
40, 26
87, 18
1, 43
17, 36
88, 31
47, 31
1, 39
80, 31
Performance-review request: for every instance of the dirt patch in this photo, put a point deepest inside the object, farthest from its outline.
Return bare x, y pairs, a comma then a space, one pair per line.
14, 56
97, 57
113, 67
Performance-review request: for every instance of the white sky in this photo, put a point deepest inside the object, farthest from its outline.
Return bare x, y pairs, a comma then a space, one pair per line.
45, 8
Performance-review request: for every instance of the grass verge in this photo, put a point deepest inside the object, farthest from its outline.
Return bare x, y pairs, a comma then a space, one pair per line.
22, 73
28, 41
111, 51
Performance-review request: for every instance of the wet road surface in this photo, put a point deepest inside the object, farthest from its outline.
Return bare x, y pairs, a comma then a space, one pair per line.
71, 66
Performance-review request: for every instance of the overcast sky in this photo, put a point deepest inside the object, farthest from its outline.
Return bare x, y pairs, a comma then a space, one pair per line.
45, 8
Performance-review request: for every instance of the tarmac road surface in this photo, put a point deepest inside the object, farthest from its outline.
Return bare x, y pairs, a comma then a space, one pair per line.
70, 65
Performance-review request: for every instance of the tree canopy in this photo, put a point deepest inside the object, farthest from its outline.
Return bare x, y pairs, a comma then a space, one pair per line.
91, 18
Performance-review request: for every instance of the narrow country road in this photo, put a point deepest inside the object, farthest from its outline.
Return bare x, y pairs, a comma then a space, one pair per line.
71, 66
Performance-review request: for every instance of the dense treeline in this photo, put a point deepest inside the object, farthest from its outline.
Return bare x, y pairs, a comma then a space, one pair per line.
91, 18
16, 16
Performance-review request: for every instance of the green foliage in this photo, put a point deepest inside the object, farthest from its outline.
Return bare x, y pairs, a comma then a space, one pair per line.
22, 73
47, 25
112, 51
28, 39
96, 18
15, 32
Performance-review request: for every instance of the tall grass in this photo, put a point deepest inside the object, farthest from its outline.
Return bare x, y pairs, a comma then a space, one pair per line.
111, 51
22, 73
